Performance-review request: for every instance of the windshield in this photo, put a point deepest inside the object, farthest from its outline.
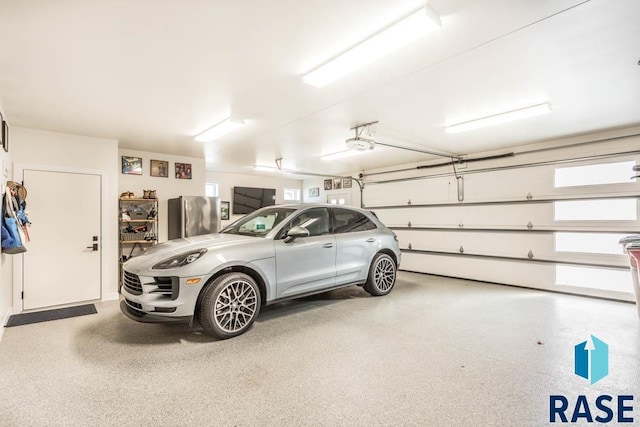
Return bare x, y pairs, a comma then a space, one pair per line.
259, 223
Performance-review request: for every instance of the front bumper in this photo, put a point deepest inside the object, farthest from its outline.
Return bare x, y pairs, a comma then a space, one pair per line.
154, 299
140, 316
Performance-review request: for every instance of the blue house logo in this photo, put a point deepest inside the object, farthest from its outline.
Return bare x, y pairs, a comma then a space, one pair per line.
592, 359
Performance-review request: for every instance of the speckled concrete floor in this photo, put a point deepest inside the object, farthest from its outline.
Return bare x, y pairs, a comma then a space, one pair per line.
436, 351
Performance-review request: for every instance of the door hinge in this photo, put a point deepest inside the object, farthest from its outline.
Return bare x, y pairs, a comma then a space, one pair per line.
22, 294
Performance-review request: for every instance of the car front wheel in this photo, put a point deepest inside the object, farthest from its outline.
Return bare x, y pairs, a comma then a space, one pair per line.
382, 275
229, 305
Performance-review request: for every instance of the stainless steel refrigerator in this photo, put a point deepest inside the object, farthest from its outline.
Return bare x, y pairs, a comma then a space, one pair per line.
192, 216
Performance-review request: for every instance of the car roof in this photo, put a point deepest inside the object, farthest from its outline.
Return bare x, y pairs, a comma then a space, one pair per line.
319, 205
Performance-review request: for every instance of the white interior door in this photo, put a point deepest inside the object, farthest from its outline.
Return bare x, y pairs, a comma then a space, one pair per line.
61, 266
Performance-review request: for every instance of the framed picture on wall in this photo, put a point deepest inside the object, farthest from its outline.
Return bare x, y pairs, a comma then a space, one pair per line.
337, 183
5, 136
328, 184
1, 130
131, 165
224, 210
183, 170
314, 192
160, 168
346, 183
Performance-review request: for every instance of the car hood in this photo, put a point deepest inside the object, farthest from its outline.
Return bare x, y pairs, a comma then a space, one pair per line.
212, 242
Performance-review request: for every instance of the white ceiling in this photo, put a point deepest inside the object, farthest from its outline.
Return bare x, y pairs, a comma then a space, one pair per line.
153, 73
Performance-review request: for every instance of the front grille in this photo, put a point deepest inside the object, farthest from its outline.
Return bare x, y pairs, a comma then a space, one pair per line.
132, 283
135, 307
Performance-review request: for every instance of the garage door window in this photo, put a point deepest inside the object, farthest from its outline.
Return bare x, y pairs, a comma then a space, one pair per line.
594, 278
607, 173
596, 210
593, 243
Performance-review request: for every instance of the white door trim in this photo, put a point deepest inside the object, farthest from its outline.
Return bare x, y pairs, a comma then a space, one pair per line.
18, 276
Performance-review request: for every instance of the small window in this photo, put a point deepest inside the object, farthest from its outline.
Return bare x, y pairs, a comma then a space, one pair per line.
348, 221
596, 210
593, 243
211, 189
606, 173
594, 278
291, 194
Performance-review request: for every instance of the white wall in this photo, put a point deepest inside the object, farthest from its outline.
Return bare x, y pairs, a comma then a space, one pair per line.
226, 182
6, 261
166, 188
31, 147
353, 193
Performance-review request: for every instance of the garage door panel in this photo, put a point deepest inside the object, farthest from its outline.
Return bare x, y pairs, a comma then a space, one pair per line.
440, 190
519, 273
517, 216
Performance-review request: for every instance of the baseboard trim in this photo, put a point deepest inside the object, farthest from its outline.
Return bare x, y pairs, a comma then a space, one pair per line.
111, 297
5, 320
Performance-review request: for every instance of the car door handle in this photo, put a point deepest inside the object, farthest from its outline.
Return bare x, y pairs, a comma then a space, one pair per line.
371, 239
327, 245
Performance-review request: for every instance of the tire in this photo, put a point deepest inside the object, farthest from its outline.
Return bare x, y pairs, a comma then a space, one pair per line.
229, 305
382, 275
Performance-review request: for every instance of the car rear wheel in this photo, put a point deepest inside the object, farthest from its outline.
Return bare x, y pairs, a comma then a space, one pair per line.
229, 305
382, 275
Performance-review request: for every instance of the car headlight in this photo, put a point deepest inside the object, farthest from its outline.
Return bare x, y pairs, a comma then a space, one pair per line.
180, 260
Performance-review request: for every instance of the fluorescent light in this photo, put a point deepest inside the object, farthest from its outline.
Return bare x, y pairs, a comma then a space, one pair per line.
339, 155
509, 116
399, 34
224, 127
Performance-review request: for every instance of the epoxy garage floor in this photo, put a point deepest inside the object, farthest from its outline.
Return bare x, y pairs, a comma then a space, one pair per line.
436, 351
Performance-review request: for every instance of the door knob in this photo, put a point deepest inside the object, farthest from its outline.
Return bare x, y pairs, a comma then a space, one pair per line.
93, 247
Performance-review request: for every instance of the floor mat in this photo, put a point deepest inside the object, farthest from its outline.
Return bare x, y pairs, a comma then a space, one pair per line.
45, 316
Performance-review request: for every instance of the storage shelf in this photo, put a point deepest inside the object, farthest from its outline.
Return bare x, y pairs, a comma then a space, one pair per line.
133, 242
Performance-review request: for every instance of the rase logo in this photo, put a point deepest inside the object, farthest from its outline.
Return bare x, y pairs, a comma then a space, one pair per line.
592, 359
591, 362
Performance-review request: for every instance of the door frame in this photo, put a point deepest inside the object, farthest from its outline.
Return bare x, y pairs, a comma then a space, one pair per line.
18, 260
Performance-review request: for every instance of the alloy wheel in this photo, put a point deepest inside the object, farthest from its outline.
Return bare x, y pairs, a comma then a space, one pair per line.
235, 306
384, 274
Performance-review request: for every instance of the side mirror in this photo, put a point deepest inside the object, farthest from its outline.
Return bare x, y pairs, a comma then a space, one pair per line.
296, 232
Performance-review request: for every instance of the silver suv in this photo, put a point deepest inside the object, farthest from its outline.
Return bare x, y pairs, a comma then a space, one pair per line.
273, 254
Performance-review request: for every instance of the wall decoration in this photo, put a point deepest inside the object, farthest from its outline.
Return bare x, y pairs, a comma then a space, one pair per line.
224, 210
131, 165
5, 135
183, 170
337, 183
160, 168
314, 192
328, 184
346, 183
1, 130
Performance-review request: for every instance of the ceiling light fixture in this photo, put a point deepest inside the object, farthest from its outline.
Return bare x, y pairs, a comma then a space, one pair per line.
224, 127
400, 33
509, 116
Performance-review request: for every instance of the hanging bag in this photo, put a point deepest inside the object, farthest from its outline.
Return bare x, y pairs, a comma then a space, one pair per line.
13, 227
